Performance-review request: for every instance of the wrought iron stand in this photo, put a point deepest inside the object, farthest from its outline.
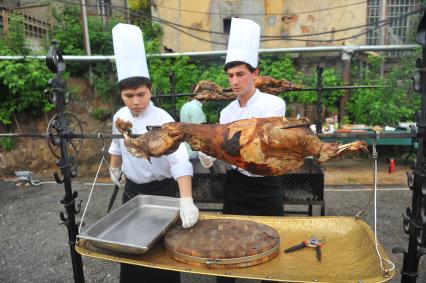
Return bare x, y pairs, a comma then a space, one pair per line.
59, 137
414, 219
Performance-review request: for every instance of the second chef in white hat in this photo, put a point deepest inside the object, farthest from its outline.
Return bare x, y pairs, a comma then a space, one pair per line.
245, 193
159, 176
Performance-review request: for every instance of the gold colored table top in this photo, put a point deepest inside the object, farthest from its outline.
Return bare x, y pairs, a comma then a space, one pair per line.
348, 254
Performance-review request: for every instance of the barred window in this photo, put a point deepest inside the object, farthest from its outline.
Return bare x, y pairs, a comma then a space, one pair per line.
392, 21
35, 27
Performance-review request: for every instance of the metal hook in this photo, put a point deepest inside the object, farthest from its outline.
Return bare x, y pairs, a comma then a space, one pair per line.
63, 218
58, 179
103, 150
76, 211
150, 128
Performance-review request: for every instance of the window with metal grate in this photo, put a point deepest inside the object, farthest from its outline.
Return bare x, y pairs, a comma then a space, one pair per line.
392, 22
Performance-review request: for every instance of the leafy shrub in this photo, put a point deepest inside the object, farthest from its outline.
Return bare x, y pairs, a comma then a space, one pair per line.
101, 114
21, 82
6, 143
391, 104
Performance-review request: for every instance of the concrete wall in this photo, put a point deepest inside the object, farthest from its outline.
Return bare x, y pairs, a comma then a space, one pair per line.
276, 18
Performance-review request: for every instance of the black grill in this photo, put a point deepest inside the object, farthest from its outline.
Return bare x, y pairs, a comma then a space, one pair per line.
302, 187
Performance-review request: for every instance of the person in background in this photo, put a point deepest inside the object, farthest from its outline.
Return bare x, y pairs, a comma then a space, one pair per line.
159, 176
245, 193
192, 112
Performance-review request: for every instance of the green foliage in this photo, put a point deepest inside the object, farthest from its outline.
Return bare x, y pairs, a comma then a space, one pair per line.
214, 73
68, 30
391, 104
6, 143
21, 82
185, 74
282, 67
331, 98
15, 40
330, 101
101, 114
139, 4
69, 33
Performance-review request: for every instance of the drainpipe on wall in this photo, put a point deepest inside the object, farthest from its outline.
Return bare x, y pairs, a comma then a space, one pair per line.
346, 76
5, 15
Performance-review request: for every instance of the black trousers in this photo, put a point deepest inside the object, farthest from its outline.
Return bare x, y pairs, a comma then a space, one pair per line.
246, 195
138, 274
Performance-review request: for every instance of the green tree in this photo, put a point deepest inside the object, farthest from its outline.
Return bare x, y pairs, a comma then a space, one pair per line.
21, 82
392, 103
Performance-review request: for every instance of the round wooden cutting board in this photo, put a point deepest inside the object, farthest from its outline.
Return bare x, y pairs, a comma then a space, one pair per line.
223, 243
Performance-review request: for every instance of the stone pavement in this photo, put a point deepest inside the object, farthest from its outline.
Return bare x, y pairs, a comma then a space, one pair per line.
34, 247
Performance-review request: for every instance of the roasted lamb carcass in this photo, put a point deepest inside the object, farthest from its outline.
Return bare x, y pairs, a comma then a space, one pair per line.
264, 146
206, 90
270, 85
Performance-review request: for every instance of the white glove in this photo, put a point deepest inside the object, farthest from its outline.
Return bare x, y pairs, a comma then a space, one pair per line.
188, 212
116, 177
205, 160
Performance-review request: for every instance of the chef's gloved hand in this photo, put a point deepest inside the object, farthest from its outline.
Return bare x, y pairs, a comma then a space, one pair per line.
205, 160
116, 176
188, 212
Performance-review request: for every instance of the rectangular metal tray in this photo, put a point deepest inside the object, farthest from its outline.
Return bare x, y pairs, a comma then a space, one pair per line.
135, 226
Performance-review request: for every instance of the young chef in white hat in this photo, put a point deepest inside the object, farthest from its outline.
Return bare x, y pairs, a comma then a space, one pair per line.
248, 194
143, 177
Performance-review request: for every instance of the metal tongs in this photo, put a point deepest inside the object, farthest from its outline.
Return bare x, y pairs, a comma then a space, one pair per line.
312, 242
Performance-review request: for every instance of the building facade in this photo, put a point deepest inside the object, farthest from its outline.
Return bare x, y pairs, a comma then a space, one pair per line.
192, 25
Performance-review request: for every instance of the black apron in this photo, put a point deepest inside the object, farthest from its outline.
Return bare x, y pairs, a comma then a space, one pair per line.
138, 274
246, 195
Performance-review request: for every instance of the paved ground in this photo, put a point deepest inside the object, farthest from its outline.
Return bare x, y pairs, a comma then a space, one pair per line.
33, 246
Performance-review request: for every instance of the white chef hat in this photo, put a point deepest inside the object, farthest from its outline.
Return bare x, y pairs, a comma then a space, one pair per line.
244, 39
129, 52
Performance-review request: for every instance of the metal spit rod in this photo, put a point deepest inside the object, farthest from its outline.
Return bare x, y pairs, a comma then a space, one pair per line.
357, 135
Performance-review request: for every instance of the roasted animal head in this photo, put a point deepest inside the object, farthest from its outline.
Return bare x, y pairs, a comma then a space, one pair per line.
124, 127
155, 143
333, 150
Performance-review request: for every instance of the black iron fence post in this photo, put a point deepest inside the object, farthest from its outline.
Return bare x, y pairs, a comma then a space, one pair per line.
318, 124
414, 222
55, 63
172, 80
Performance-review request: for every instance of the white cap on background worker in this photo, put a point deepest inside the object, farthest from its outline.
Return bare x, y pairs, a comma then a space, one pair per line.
244, 40
129, 51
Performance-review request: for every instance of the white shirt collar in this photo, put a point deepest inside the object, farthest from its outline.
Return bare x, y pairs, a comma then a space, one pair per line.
144, 113
251, 100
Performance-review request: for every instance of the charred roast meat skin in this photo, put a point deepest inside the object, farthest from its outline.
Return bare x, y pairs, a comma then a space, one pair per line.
154, 143
207, 90
263, 146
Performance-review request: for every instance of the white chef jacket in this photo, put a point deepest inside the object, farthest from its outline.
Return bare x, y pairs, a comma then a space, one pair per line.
260, 105
139, 170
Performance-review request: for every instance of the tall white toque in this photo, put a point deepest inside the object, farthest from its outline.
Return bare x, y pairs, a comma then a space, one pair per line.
244, 39
129, 52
